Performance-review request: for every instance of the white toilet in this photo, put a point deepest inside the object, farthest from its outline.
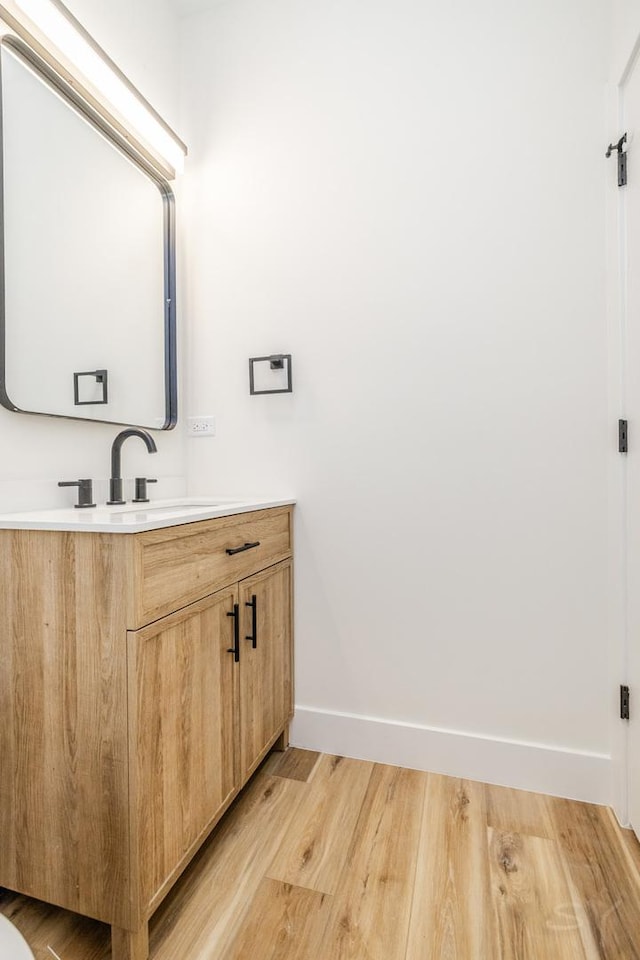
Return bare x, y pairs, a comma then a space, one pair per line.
12, 944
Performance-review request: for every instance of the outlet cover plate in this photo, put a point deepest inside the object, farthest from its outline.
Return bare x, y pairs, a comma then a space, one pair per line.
201, 426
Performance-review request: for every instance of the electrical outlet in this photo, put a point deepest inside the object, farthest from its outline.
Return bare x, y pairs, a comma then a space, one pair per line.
201, 426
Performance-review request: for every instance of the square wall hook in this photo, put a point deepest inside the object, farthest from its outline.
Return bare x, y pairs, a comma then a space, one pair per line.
270, 374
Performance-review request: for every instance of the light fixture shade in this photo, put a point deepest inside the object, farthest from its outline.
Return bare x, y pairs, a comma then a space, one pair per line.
73, 41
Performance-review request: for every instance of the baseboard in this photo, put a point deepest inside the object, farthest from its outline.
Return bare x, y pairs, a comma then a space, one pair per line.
527, 766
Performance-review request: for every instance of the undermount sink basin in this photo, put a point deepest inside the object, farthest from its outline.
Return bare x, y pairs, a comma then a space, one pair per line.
171, 506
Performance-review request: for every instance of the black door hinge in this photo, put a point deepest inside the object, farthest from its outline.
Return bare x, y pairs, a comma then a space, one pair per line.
623, 436
624, 702
622, 159
622, 169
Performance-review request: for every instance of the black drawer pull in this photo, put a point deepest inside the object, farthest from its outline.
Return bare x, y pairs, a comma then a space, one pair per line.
246, 546
235, 649
254, 621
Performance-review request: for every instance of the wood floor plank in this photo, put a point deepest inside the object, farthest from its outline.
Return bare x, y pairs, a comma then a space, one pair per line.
283, 923
369, 918
591, 950
418, 876
205, 909
603, 878
534, 908
632, 847
314, 852
452, 915
72, 937
295, 764
519, 811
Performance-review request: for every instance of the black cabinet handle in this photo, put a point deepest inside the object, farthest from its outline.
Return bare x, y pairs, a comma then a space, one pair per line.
235, 649
245, 546
254, 621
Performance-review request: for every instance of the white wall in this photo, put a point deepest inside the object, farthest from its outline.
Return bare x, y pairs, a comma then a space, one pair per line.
408, 197
624, 35
39, 451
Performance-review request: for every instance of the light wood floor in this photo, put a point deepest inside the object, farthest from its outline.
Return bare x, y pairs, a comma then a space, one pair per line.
326, 858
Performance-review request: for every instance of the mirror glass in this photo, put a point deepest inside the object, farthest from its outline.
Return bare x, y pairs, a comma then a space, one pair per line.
88, 262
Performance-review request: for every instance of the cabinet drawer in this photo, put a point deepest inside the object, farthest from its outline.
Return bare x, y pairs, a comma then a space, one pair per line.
178, 565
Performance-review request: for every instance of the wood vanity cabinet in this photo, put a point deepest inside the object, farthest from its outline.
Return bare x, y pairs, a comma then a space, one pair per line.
144, 677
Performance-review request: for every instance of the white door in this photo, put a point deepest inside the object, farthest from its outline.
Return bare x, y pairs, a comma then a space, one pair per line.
630, 199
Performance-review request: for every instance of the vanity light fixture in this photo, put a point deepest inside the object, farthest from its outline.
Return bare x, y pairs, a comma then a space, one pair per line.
63, 30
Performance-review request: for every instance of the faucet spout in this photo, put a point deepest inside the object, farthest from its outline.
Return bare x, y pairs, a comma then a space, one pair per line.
115, 483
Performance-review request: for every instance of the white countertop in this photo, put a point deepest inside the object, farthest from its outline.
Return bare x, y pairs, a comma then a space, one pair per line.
134, 517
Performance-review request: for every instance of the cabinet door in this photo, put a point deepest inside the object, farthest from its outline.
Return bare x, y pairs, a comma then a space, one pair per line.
266, 689
181, 716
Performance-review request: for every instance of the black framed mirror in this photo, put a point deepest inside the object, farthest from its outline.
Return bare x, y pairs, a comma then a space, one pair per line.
87, 266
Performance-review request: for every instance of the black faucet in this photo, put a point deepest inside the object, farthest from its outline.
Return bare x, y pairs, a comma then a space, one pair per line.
115, 483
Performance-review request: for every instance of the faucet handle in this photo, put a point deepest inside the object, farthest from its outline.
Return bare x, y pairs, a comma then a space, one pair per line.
85, 491
141, 489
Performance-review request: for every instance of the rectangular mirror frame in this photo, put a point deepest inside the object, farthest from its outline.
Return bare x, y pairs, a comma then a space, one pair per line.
61, 86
